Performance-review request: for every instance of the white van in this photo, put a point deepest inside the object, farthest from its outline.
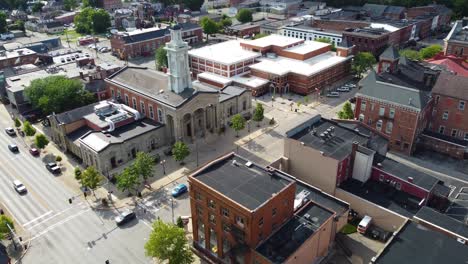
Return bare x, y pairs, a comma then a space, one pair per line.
364, 224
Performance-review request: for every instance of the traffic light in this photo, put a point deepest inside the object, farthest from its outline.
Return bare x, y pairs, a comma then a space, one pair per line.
70, 201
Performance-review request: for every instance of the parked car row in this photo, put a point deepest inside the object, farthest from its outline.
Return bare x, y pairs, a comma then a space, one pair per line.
343, 89
73, 57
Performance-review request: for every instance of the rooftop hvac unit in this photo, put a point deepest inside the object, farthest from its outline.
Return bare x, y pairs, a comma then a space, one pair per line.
234, 162
248, 164
307, 216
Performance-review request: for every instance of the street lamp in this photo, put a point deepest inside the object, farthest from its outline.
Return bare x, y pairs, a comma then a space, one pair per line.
163, 164
172, 209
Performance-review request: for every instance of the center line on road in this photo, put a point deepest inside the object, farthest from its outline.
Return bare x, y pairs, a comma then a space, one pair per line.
37, 218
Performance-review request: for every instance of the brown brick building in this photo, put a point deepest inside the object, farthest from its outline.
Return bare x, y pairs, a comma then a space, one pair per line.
109, 5
456, 42
244, 213
396, 101
144, 42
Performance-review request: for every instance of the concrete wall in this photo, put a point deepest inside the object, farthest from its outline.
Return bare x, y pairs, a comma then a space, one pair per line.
310, 165
381, 217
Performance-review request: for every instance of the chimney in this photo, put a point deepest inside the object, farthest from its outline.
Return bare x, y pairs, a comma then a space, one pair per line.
410, 179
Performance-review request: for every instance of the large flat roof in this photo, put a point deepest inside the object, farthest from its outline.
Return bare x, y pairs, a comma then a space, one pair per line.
444, 221
307, 47
404, 172
282, 65
228, 52
273, 40
291, 236
419, 245
249, 186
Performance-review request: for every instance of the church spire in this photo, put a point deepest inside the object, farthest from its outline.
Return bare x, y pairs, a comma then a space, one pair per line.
177, 55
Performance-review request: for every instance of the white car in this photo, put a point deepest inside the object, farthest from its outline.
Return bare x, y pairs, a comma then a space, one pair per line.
19, 186
343, 89
333, 94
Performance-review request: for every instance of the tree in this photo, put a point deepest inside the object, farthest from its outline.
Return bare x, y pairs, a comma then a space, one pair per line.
244, 15
225, 22
91, 178
37, 7
56, 94
77, 173
128, 179
410, 54
144, 164
193, 5
430, 51
3, 22
326, 40
28, 129
179, 222
180, 151
161, 58
101, 20
19, 25
209, 26
41, 141
69, 5
258, 114
346, 112
58, 158
238, 123
17, 122
83, 20
5, 221
362, 62
168, 243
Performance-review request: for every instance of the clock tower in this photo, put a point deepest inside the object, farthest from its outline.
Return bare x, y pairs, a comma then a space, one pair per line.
177, 57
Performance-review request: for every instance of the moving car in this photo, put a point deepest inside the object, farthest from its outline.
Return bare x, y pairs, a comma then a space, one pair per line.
19, 186
53, 167
179, 190
34, 151
10, 131
124, 217
13, 148
343, 89
333, 94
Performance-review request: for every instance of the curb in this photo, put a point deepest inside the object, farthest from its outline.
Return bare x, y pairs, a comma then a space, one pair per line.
24, 253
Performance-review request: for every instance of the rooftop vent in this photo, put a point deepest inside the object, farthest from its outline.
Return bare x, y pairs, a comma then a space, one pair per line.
161, 91
314, 220
248, 164
323, 137
307, 216
234, 162
410, 179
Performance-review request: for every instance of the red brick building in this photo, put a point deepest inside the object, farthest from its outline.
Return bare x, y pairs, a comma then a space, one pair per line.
244, 213
17, 57
456, 42
109, 5
144, 42
396, 101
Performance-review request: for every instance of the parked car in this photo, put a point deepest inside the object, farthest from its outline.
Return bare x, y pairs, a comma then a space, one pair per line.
62, 60
333, 94
364, 224
13, 148
53, 167
19, 186
10, 131
124, 217
34, 151
377, 233
343, 89
179, 190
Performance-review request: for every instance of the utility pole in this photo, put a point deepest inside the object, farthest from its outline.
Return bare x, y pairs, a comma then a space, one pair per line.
172, 207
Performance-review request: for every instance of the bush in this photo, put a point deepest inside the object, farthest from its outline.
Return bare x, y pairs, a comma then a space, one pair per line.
348, 229
77, 173
17, 122
180, 223
58, 158
272, 121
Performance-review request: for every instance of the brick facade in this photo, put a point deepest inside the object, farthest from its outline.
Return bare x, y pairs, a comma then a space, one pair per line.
109, 5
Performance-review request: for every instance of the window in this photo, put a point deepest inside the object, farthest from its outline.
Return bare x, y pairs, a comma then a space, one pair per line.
212, 219
134, 103
118, 94
437, 99
273, 212
260, 222
398, 186
382, 111
151, 111
240, 221
198, 196
363, 106
211, 204
226, 227
381, 177
389, 127
225, 212
461, 105
441, 129
398, 142
199, 211
112, 93
372, 105
454, 132
392, 113
466, 137
361, 118
126, 100
445, 115
142, 108
379, 125
160, 116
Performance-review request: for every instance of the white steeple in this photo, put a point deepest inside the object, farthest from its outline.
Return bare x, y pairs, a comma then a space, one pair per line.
179, 71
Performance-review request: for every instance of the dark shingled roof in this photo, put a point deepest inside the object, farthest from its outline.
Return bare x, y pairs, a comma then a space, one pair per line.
451, 85
419, 245
374, 10
444, 221
75, 114
394, 10
390, 53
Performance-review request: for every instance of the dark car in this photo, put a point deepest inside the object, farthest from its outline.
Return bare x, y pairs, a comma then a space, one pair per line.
13, 148
179, 190
124, 217
10, 131
53, 167
34, 151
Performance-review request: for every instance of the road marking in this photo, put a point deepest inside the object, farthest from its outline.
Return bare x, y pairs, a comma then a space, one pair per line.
37, 218
147, 224
52, 216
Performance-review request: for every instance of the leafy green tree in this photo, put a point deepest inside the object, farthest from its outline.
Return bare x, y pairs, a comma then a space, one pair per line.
168, 243
19, 25
128, 179
193, 5
101, 20
238, 123
325, 40
244, 15
180, 151
225, 22
83, 20
179, 222
460, 7
430, 51
57, 94
258, 114
91, 178
346, 112
410, 54
160, 58
70, 5
58, 158
28, 129
77, 173
17, 122
89, 3
3, 22
4, 222
362, 62
37, 7
144, 165
260, 35
209, 26
41, 141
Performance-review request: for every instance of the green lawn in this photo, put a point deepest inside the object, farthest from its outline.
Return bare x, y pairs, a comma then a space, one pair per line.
348, 229
72, 35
